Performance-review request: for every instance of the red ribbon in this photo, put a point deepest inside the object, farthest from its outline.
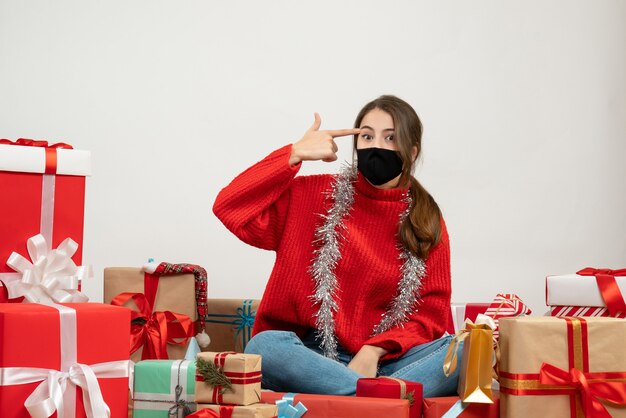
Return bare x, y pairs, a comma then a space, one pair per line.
605, 278
236, 378
51, 150
204, 413
159, 329
591, 391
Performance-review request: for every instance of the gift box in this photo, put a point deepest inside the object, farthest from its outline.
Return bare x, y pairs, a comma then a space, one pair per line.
562, 367
256, 410
229, 322
583, 311
452, 405
459, 312
390, 387
324, 406
168, 303
506, 305
228, 378
589, 287
86, 341
43, 192
164, 388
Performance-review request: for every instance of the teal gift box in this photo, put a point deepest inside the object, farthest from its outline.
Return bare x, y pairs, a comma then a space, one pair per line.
164, 388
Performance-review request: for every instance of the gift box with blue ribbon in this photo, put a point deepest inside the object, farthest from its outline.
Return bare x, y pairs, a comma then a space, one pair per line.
229, 323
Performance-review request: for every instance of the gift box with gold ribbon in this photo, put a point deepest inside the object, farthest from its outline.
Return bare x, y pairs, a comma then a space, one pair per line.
228, 378
562, 367
256, 410
391, 387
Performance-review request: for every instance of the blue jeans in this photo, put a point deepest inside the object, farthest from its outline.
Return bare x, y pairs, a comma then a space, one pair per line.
294, 365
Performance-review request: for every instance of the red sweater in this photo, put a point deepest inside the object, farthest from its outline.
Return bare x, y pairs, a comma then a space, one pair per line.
269, 207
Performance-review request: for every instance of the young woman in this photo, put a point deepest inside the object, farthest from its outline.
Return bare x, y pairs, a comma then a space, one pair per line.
361, 283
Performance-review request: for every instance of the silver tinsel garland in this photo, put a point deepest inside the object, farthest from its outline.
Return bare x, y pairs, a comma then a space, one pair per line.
328, 254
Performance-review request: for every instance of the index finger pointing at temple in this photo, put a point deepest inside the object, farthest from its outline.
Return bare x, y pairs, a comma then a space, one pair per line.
343, 132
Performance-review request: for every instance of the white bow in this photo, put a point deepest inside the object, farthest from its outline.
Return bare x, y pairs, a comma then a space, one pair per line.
51, 277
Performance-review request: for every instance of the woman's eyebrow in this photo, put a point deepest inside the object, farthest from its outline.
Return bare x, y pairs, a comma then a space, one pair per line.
370, 128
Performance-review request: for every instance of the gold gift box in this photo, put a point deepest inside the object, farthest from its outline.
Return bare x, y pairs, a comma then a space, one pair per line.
257, 410
229, 323
242, 370
175, 293
527, 343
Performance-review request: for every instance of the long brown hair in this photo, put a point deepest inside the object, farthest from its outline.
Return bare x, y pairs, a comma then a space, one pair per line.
421, 230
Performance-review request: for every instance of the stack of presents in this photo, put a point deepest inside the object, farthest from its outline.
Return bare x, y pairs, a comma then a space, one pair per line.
157, 347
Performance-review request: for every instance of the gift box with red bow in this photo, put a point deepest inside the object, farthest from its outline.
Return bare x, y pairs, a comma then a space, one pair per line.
79, 369
562, 367
589, 292
43, 192
166, 298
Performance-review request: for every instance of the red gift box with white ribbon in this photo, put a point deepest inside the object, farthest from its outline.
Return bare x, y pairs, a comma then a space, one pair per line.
43, 192
64, 359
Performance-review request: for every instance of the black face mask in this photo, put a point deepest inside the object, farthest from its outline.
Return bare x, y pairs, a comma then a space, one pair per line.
379, 165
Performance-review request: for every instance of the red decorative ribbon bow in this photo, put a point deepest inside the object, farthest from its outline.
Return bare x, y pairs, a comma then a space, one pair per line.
605, 278
591, 386
158, 330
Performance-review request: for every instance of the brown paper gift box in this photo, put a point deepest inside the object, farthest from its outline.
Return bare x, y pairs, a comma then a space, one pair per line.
244, 373
527, 343
256, 410
175, 293
229, 323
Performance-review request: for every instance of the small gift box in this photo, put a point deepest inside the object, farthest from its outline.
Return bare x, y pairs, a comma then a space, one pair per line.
562, 367
229, 322
476, 372
164, 388
390, 387
589, 287
459, 312
167, 299
506, 305
43, 192
256, 410
79, 368
228, 378
324, 406
452, 406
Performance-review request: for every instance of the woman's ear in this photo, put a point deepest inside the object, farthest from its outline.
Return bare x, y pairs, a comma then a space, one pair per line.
414, 153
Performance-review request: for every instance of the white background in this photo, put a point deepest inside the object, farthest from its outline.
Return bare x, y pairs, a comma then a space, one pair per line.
523, 103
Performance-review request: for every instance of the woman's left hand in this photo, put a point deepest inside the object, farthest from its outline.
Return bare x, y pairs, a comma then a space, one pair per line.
365, 362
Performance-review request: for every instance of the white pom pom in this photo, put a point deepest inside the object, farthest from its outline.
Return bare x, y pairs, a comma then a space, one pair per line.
203, 339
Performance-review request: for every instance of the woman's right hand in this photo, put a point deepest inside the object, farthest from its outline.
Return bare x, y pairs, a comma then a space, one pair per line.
318, 145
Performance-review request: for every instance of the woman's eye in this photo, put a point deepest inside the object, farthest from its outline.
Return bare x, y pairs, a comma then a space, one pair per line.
366, 136
389, 138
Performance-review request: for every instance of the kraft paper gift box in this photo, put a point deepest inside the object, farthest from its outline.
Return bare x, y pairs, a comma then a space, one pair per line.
256, 410
229, 323
228, 378
155, 393
173, 293
571, 294
81, 339
452, 405
324, 406
390, 387
43, 192
562, 367
459, 312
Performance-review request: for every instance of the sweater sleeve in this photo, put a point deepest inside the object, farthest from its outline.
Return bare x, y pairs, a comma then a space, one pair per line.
254, 205
428, 321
